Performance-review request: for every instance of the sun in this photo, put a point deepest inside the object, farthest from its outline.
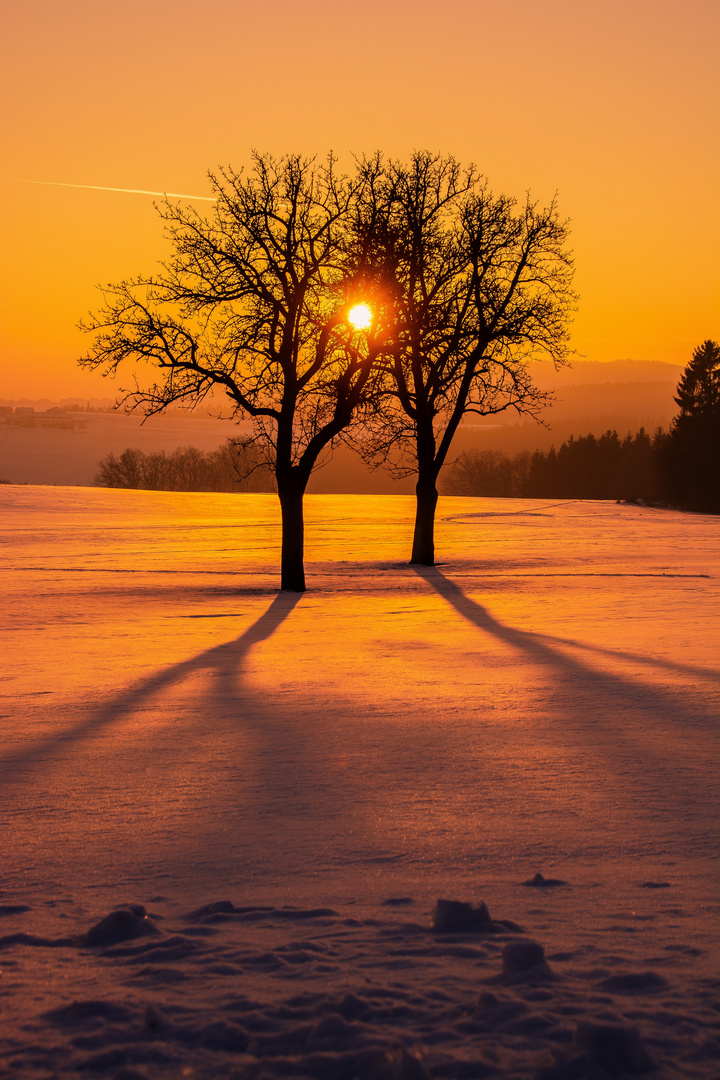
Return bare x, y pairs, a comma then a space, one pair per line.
360, 316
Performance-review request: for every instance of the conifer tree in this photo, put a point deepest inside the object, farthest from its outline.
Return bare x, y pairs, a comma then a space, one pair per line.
698, 392
691, 454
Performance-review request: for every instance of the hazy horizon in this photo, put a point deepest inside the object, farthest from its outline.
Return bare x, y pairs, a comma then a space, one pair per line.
581, 371
635, 394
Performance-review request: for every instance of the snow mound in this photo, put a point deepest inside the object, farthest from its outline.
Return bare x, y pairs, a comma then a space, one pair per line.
458, 917
540, 882
523, 959
313, 992
122, 924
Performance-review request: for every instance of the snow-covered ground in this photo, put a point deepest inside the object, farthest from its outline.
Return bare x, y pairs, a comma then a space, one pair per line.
287, 784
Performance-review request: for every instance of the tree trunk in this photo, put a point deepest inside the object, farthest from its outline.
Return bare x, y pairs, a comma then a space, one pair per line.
292, 568
423, 549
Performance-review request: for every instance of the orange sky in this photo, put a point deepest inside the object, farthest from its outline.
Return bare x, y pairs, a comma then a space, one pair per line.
616, 105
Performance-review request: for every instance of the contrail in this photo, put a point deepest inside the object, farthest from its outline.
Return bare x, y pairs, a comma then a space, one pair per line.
126, 191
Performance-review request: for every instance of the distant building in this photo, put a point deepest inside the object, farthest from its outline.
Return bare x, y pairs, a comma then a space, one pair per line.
24, 410
6, 410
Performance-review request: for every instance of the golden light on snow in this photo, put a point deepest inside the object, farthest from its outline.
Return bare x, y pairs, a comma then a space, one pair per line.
360, 316
547, 692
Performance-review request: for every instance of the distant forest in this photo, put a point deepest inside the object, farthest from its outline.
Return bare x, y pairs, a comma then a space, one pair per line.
585, 467
236, 466
680, 467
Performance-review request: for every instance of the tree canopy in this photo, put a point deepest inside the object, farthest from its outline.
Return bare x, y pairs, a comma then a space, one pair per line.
698, 392
253, 302
479, 285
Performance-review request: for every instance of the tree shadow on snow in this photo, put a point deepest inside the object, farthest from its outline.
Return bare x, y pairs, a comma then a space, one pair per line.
224, 662
693, 670
603, 712
591, 685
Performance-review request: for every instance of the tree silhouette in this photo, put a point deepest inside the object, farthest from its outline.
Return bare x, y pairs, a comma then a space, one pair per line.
490, 473
236, 466
478, 287
691, 454
253, 303
698, 392
584, 467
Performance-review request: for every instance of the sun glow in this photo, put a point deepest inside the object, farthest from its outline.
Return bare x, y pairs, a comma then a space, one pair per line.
360, 316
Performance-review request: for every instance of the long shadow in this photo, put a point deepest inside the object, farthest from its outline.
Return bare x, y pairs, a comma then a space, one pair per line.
223, 660
532, 511
598, 684
693, 670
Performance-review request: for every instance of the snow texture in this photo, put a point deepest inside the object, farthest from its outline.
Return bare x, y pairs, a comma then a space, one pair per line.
458, 822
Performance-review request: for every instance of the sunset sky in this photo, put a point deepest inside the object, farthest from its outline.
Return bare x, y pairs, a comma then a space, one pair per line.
614, 104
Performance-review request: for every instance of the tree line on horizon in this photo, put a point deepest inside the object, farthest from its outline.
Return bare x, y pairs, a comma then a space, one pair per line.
584, 467
679, 467
235, 466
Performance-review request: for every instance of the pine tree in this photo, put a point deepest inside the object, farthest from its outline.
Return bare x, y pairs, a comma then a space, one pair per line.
698, 391
691, 455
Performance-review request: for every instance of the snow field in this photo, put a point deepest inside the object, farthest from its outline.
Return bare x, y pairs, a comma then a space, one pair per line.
175, 734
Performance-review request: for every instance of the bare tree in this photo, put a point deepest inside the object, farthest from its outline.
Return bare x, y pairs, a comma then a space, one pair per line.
235, 466
489, 473
254, 302
124, 471
478, 287
243, 466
